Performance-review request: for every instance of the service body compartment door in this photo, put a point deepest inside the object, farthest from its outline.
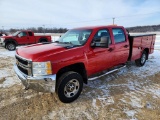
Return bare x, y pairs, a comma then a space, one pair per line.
148, 42
152, 44
136, 48
141, 42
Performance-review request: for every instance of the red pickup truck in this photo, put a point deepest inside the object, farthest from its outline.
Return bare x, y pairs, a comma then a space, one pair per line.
22, 38
81, 53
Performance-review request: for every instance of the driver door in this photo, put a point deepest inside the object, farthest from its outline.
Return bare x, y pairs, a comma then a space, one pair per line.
22, 38
100, 58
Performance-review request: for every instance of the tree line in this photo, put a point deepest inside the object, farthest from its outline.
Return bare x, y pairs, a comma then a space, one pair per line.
41, 30
148, 28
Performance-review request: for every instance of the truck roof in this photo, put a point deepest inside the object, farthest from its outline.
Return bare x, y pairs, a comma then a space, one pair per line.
98, 27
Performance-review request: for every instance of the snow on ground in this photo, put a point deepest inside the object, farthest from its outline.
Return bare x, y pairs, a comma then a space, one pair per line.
7, 53
6, 68
131, 114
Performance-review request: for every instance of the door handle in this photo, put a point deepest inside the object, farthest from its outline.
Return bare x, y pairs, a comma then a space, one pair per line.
125, 46
110, 49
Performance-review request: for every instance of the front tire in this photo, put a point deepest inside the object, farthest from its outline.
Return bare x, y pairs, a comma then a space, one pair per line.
70, 85
11, 46
141, 61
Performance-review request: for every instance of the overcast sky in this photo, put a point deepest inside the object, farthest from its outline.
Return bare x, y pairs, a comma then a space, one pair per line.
76, 13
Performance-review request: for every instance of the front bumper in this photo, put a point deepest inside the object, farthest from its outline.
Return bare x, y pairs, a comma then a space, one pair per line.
40, 83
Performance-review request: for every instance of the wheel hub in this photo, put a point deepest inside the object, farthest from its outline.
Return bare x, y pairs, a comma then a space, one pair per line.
11, 46
71, 88
143, 58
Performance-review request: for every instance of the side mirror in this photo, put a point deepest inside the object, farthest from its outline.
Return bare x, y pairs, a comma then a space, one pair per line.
104, 42
19, 35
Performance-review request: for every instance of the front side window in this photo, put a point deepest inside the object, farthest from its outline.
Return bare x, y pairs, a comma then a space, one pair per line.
119, 35
75, 37
102, 33
21, 34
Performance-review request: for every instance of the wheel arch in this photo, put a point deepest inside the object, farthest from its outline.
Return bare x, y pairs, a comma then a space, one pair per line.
77, 67
10, 41
147, 51
43, 39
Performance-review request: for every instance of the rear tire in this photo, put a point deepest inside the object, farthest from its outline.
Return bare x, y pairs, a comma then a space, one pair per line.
10, 46
141, 61
69, 86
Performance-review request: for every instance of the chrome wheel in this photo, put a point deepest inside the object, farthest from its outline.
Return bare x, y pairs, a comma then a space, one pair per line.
71, 88
143, 59
11, 46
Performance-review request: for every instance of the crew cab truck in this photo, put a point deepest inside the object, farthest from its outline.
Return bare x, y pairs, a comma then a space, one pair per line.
81, 53
22, 38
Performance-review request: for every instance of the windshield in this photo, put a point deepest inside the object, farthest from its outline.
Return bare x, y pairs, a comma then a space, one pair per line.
75, 37
15, 34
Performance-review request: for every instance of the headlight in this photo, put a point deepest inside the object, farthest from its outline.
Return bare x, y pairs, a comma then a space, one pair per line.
42, 68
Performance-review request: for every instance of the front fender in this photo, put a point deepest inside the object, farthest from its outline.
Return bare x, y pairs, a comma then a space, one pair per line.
10, 40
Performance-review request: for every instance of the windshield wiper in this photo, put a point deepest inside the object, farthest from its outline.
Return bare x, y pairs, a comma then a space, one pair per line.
67, 43
72, 45
62, 42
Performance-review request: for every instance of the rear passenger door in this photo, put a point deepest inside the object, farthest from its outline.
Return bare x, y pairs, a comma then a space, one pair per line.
121, 46
31, 38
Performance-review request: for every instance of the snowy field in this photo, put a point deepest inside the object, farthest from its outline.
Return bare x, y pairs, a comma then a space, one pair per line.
54, 36
157, 43
131, 93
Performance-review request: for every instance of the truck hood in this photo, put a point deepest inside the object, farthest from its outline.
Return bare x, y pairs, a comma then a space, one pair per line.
36, 51
7, 37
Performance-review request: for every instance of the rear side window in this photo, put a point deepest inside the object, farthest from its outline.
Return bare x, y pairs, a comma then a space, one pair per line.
119, 35
30, 33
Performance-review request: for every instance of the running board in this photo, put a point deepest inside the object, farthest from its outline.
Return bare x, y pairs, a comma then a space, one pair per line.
111, 71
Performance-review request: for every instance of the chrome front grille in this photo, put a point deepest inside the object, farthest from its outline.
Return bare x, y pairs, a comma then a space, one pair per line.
24, 65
